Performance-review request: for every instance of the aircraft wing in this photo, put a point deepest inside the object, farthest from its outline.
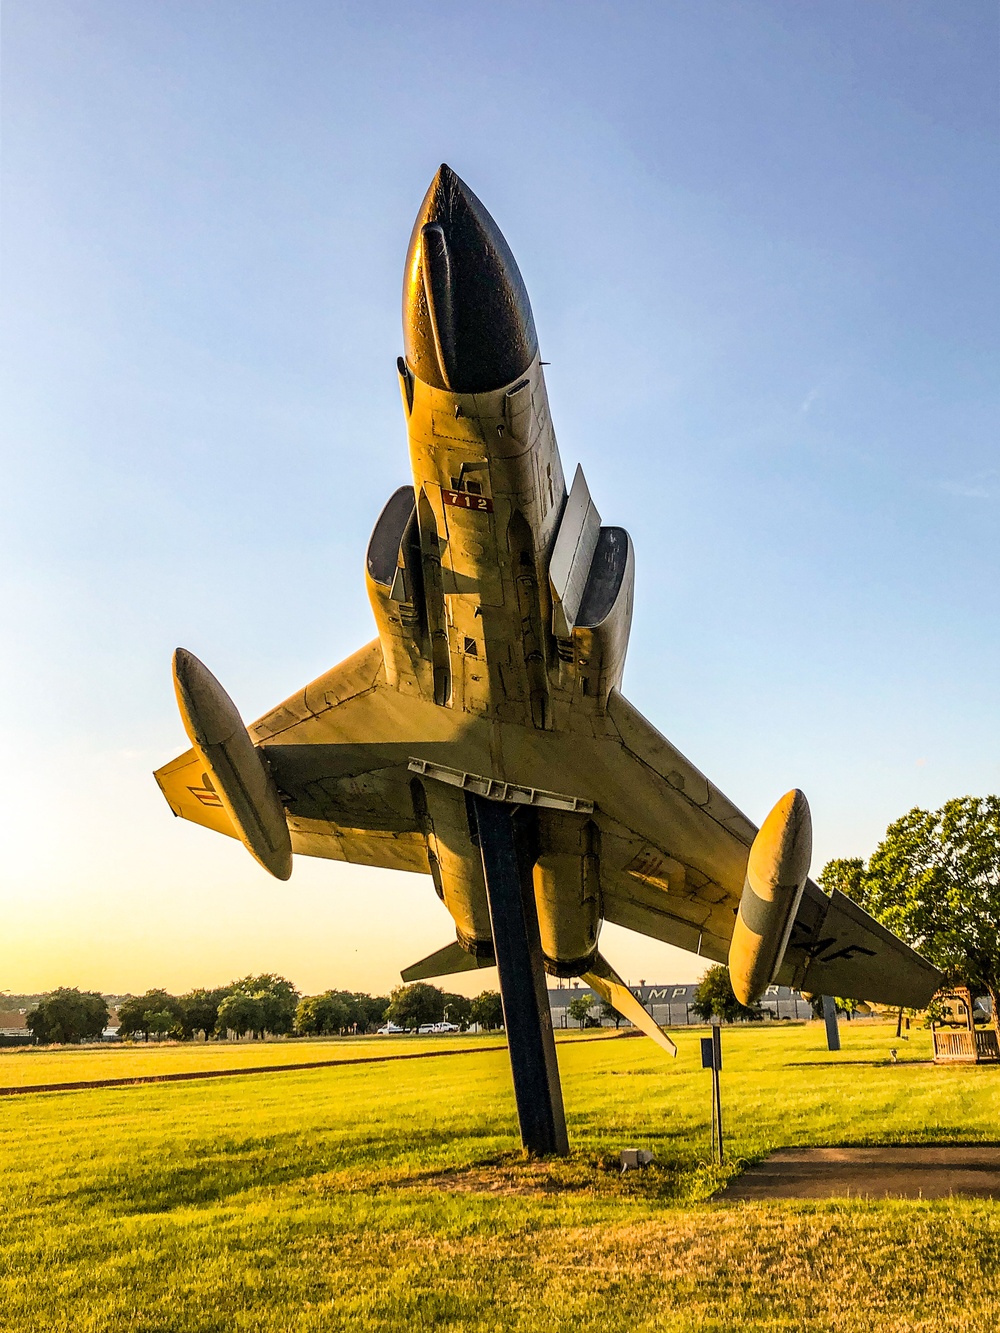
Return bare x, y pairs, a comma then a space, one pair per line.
674, 852
836, 948
673, 848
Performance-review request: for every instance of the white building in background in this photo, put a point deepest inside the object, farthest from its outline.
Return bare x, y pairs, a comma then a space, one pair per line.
670, 1006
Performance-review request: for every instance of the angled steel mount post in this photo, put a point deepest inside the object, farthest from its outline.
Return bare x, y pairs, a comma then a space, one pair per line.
505, 838
832, 1026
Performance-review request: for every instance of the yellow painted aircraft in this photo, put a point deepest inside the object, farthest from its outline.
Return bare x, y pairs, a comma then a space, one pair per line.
503, 607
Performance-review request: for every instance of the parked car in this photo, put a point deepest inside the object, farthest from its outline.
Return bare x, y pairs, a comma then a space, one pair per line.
390, 1030
447, 1027
424, 1028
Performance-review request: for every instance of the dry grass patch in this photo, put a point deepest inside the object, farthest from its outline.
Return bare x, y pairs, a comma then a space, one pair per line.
515, 1174
829, 1270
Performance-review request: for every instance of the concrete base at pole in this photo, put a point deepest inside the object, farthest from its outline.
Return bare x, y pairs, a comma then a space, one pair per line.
506, 837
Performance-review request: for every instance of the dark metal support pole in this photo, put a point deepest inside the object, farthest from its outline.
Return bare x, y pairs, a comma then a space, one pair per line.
504, 841
716, 1084
832, 1027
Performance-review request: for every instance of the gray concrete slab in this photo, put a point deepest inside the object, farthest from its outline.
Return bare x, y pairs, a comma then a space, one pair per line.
912, 1172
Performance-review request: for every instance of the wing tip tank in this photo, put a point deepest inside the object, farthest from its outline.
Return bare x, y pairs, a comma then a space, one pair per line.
239, 771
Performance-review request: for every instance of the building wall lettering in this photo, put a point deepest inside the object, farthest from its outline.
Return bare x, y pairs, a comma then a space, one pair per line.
671, 1005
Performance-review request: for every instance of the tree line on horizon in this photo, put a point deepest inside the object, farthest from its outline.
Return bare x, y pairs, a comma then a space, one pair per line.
258, 1006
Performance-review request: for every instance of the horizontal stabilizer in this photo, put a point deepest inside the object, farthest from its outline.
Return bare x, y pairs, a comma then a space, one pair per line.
190, 793
603, 979
445, 963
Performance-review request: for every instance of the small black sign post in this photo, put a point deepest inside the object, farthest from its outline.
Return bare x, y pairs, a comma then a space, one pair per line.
711, 1058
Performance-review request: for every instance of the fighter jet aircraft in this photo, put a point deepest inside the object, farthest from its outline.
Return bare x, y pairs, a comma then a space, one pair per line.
503, 606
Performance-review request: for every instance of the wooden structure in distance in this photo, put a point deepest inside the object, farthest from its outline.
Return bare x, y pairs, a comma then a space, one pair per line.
965, 1046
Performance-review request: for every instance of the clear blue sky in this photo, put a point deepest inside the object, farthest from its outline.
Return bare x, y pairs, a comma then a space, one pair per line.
760, 240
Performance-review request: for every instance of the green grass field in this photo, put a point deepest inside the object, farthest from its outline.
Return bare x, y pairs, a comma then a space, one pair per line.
27, 1066
392, 1196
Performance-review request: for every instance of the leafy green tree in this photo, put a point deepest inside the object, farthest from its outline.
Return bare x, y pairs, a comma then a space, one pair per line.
68, 1015
714, 997
134, 1014
457, 1009
609, 1012
320, 1014
240, 1013
487, 1010
355, 1010
579, 1009
846, 874
200, 1009
412, 1006
371, 1011
162, 1024
934, 880
309, 1016
277, 997
132, 1017
339, 1011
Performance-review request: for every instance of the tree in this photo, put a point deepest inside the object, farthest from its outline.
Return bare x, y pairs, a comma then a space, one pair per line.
412, 1006
131, 1017
371, 1011
68, 1015
163, 1023
320, 1014
487, 1010
361, 1010
579, 1009
134, 1015
339, 1011
611, 1013
277, 999
457, 1009
200, 1010
714, 998
240, 1013
308, 1016
934, 880
846, 875
345, 1011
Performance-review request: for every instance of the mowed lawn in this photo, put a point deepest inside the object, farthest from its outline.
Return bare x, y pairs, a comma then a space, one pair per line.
28, 1066
393, 1196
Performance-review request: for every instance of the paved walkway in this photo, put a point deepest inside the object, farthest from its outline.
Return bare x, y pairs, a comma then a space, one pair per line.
838, 1173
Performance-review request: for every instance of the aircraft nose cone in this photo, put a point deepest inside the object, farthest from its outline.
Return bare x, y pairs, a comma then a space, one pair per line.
467, 323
